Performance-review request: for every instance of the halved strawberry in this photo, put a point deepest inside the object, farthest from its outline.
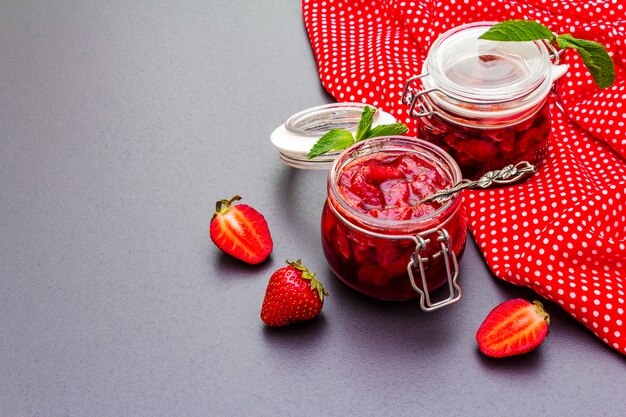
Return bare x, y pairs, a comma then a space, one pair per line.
293, 294
241, 231
514, 327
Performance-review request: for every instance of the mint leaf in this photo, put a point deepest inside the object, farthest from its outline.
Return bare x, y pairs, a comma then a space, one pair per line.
388, 130
518, 31
338, 139
365, 124
594, 56
334, 140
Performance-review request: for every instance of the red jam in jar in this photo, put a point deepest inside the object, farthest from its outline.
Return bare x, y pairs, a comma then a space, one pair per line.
480, 150
485, 102
374, 227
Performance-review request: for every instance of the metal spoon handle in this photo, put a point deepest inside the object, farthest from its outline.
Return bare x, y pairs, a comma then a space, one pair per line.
506, 175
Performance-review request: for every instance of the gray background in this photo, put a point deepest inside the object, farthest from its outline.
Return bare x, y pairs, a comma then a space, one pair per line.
121, 124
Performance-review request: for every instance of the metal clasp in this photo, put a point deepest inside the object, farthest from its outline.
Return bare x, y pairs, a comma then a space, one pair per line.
452, 271
452, 267
415, 98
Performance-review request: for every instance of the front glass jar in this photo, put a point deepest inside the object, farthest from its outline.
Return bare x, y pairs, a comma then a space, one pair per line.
485, 102
377, 235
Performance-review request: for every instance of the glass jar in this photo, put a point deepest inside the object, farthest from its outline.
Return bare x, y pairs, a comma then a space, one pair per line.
485, 102
383, 252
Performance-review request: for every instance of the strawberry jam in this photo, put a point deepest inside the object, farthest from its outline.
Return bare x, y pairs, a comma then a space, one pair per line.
390, 187
478, 150
373, 214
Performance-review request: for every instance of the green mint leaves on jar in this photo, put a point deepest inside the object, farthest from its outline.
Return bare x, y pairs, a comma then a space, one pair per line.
338, 139
594, 54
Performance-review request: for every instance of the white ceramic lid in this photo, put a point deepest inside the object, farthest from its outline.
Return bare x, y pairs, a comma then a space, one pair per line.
295, 138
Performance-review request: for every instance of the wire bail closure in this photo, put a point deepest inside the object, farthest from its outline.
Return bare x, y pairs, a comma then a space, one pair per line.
449, 257
415, 99
452, 271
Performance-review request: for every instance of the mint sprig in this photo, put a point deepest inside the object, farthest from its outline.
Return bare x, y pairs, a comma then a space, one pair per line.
334, 140
594, 54
338, 139
365, 124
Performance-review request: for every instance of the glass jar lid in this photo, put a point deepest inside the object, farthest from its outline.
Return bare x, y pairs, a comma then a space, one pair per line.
469, 68
479, 83
295, 138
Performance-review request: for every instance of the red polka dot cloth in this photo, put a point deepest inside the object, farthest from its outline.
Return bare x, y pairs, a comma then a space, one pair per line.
562, 232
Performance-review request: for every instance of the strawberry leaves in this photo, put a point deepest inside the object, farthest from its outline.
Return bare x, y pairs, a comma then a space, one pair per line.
338, 139
594, 55
310, 276
221, 206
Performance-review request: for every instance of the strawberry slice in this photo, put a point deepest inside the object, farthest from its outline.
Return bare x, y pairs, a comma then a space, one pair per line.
514, 327
241, 231
381, 173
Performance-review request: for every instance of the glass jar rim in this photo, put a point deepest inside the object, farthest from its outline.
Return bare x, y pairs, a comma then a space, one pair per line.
376, 145
318, 120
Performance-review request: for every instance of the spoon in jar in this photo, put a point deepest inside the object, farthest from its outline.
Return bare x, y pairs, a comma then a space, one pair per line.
506, 175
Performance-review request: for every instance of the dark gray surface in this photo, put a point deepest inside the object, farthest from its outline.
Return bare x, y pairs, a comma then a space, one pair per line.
120, 125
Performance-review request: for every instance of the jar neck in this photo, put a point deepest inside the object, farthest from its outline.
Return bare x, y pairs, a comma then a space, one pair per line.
394, 144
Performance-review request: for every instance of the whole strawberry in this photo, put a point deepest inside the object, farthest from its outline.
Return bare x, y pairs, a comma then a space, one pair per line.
293, 294
513, 327
241, 231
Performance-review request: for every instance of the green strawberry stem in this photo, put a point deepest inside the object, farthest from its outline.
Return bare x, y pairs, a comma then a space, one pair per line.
222, 206
541, 311
309, 276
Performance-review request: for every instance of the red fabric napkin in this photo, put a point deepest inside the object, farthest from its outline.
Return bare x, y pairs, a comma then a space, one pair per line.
561, 233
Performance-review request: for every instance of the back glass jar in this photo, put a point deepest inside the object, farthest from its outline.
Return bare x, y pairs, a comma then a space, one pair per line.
485, 102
